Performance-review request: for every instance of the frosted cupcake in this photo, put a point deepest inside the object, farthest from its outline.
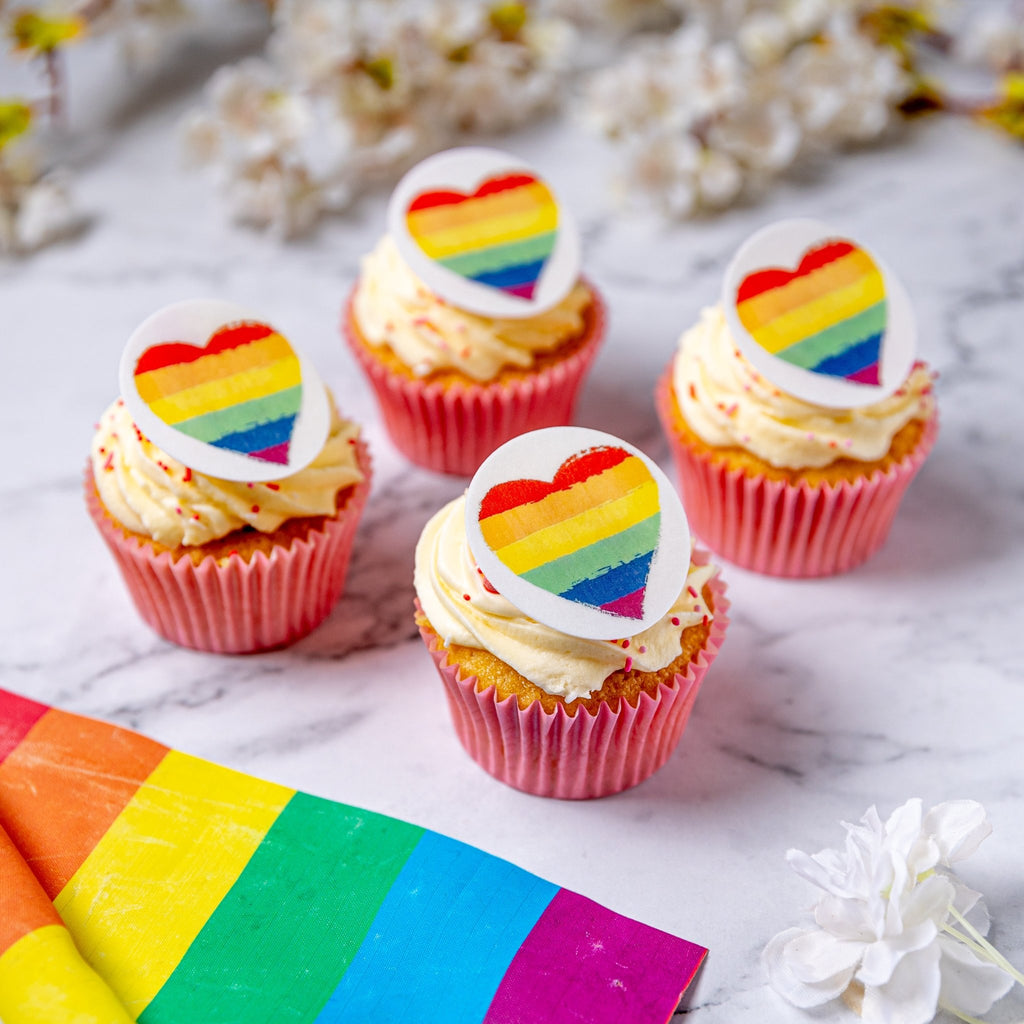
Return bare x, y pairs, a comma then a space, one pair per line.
778, 483
551, 712
228, 565
477, 327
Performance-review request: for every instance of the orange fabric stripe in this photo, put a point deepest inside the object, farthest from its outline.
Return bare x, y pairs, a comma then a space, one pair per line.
62, 787
24, 906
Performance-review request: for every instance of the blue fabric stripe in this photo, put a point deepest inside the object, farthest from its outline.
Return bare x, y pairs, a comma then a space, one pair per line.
610, 586
442, 940
509, 277
864, 353
266, 435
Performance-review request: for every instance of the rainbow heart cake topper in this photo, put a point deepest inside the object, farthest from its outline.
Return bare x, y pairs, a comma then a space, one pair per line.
580, 531
818, 315
223, 392
485, 232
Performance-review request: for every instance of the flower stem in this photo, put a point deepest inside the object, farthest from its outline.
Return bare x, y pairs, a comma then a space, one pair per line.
979, 943
959, 1015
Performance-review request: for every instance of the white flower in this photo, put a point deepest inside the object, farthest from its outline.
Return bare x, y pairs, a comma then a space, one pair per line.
994, 38
887, 922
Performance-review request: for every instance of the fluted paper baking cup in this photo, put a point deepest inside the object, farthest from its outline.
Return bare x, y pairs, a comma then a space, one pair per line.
453, 427
231, 606
780, 528
575, 757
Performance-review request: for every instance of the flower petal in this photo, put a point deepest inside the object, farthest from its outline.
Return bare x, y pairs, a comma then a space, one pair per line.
959, 827
911, 996
969, 984
779, 963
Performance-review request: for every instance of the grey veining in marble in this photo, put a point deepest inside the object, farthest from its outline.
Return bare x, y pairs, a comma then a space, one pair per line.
903, 678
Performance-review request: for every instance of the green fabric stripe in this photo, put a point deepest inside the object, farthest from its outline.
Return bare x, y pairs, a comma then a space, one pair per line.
212, 426
497, 257
327, 869
837, 338
565, 572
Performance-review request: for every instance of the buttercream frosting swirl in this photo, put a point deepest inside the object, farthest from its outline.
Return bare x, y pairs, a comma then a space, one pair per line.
462, 610
152, 494
393, 307
726, 402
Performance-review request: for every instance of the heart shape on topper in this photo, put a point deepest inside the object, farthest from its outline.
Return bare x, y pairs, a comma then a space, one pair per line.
485, 233
819, 316
499, 236
593, 542
241, 391
828, 316
223, 392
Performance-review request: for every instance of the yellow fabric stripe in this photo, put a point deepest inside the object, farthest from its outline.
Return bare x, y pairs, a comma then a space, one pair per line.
815, 316
492, 231
511, 202
149, 885
581, 530
157, 384
832, 277
515, 524
44, 978
220, 394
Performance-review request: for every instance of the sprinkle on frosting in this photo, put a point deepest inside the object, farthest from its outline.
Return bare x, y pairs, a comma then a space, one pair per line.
392, 307
564, 665
727, 403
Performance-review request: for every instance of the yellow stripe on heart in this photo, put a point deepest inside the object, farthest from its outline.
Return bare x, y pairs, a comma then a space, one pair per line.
492, 231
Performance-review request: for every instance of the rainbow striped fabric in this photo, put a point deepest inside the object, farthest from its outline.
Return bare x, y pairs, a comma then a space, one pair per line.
138, 883
589, 535
828, 316
241, 391
500, 236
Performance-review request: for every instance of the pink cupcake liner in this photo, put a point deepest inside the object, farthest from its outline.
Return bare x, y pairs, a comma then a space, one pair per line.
783, 529
453, 428
231, 606
575, 757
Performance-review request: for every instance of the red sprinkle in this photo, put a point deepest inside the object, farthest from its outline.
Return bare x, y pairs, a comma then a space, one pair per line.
273, 487
120, 401
103, 451
109, 464
465, 597
188, 475
642, 649
249, 485
696, 607
704, 621
693, 392
675, 621
195, 515
691, 591
178, 510
625, 644
628, 667
351, 440
255, 508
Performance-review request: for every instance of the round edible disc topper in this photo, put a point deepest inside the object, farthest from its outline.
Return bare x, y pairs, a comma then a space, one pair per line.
223, 392
818, 315
580, 531
485, 232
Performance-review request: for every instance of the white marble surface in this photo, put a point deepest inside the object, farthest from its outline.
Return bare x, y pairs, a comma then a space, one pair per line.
903, 678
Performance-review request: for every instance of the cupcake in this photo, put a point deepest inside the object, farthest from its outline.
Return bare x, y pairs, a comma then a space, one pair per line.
548, 711
475, 333
782, 484
219, 564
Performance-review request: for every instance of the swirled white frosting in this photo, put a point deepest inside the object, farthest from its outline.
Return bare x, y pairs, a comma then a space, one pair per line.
154, 495
726, 402
393, 307
462, 610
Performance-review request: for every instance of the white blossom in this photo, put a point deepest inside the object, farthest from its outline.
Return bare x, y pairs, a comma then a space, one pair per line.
994, 38
887, 926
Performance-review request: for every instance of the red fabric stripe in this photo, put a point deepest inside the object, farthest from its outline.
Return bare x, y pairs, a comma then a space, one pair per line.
17, 716
775, 277
442, 197
176, 352
575, 469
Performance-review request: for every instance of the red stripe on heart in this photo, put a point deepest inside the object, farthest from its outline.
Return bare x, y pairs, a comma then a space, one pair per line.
775, 277
574, 470
175, 353
443, 197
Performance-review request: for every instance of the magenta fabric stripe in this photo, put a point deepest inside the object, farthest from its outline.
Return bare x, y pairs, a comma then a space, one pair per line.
633, 972
17, 716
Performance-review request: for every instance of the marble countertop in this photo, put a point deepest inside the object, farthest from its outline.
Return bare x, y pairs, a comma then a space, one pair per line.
903, 678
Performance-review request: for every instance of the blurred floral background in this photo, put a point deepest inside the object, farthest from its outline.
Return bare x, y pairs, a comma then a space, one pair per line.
704, 102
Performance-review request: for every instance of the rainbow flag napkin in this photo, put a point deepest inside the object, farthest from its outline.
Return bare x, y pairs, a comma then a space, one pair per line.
138, 883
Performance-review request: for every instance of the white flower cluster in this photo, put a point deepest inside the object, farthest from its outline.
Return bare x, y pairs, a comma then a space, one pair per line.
35, 207
703, 116
354, 91
892, 933
994, 38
